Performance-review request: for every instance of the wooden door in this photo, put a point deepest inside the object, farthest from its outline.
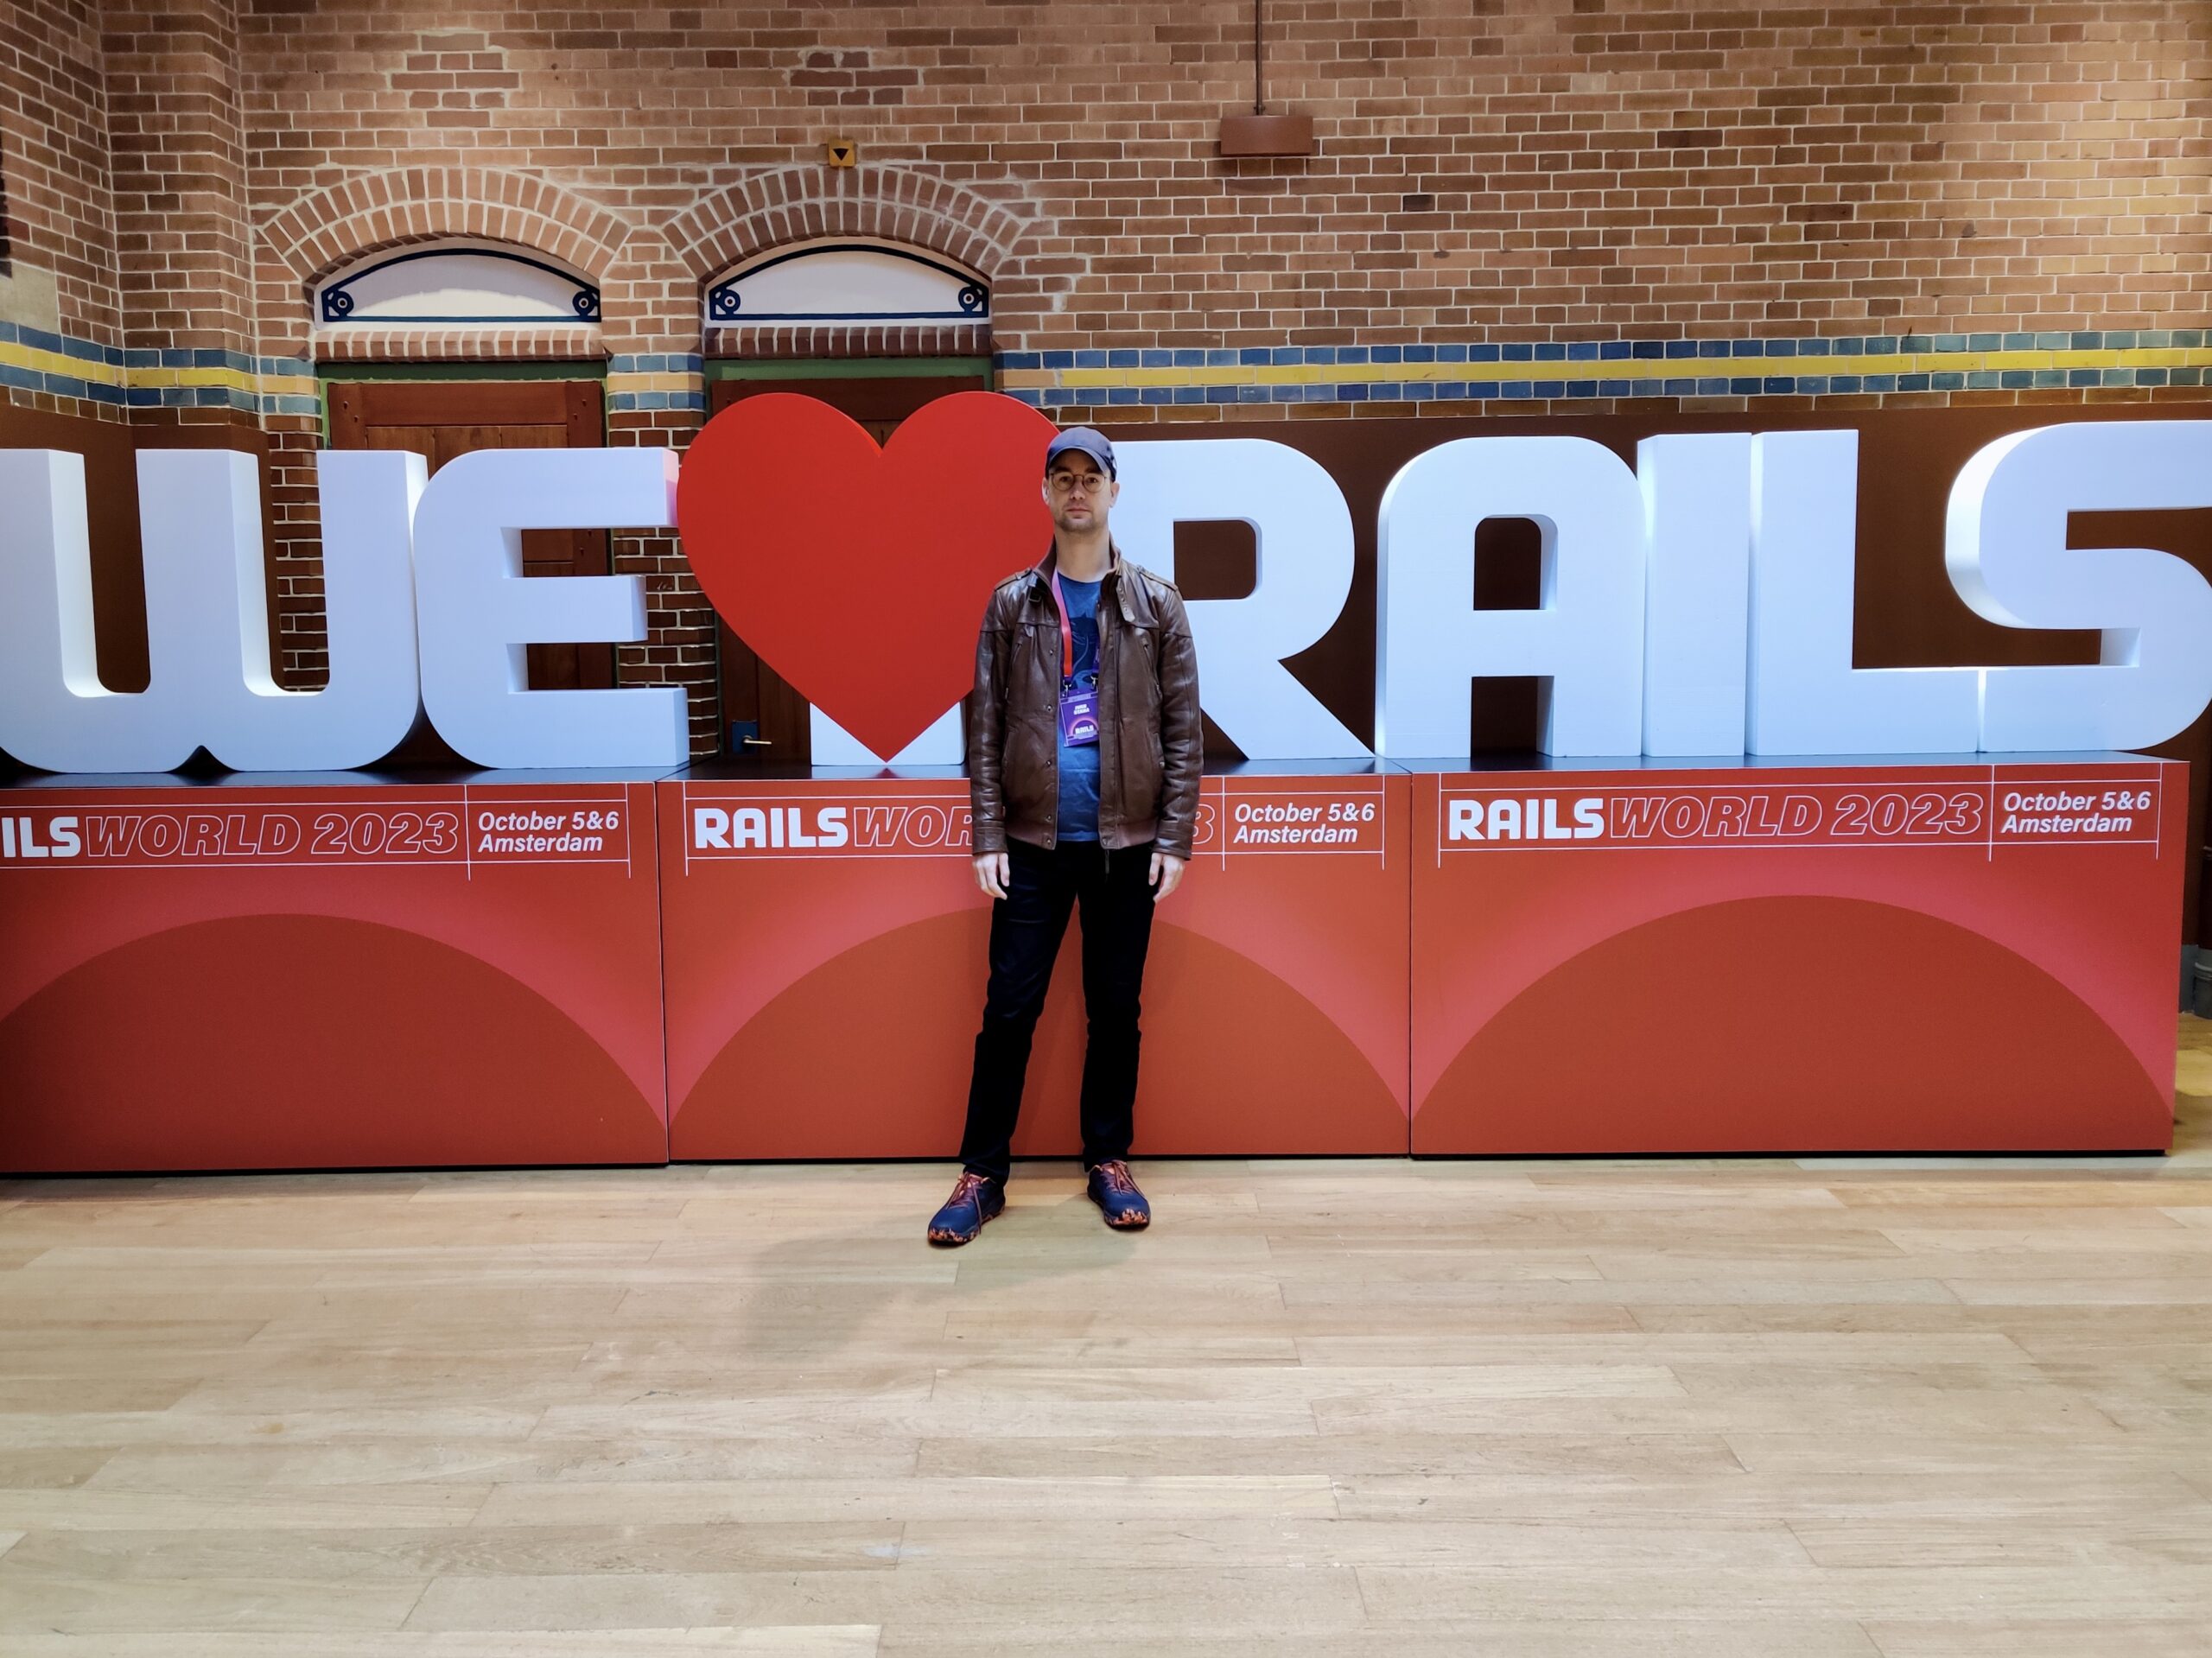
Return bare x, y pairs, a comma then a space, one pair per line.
762, 714
440, 419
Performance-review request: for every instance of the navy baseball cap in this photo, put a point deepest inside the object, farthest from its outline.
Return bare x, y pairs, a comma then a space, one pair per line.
1086, 440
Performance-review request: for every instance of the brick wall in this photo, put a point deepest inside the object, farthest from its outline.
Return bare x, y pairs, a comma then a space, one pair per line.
55, 157
1543, 169
177, 134
1549, 169
1540, 205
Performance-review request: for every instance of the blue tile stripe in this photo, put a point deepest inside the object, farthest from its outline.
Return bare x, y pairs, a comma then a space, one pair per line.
622, 402
1554, 371
1610, 349
658, 363
37, 360
647, 381
1123, 377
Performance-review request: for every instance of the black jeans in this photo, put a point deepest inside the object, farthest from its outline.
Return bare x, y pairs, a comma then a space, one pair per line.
1026, 927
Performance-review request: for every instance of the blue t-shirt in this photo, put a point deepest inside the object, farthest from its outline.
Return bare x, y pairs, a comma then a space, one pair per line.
1079, 761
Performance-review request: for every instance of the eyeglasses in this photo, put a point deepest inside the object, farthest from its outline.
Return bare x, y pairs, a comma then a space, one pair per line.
1087, 483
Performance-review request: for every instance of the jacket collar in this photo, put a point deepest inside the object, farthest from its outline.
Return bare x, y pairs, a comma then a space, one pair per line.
1042, 569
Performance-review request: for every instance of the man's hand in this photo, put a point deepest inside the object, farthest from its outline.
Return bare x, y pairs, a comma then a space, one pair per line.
992, 869
1166, 874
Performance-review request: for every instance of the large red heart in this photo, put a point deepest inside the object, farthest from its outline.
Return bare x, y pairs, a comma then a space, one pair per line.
859, 573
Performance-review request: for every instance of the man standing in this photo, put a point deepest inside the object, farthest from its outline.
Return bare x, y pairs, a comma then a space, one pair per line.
1083, 760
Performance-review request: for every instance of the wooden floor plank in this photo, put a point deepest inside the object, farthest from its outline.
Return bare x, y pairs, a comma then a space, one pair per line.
2001, 1637
1928, 1408
799, 1640
1079, 1596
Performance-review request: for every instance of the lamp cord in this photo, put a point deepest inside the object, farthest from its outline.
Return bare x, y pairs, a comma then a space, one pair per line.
1259, 87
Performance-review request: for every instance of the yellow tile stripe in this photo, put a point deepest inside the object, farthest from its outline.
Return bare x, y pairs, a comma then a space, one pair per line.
16, 355
652, 382
231, 378
1627, 368
1634, 369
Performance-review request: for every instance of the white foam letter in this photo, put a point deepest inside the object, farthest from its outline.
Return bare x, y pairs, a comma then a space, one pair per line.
1697, 501
1806, 698
54, 712
1587, 639
1301, 532
206, 599
477, 613
2005, 547
830, 743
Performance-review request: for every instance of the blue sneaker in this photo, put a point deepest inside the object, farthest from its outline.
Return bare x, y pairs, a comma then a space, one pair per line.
975, 1198
1117, 1196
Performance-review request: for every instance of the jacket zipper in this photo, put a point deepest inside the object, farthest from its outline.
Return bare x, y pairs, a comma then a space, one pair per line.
1041, 593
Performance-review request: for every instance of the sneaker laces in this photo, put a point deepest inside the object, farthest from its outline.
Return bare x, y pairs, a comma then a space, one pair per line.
966, 1187
1117, 1175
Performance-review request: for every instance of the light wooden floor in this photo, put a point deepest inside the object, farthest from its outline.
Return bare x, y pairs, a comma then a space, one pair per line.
1677, 1408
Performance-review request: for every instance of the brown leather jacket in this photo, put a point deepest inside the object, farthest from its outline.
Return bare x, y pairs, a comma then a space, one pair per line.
1149, 743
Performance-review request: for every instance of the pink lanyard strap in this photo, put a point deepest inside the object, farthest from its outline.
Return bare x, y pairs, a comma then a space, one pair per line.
1067, 633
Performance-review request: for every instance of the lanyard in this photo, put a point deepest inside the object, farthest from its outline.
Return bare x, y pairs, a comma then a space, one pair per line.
1067, 632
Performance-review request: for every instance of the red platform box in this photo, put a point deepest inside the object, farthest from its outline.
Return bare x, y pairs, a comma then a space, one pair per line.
331, 970
825, 950
1879, 955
